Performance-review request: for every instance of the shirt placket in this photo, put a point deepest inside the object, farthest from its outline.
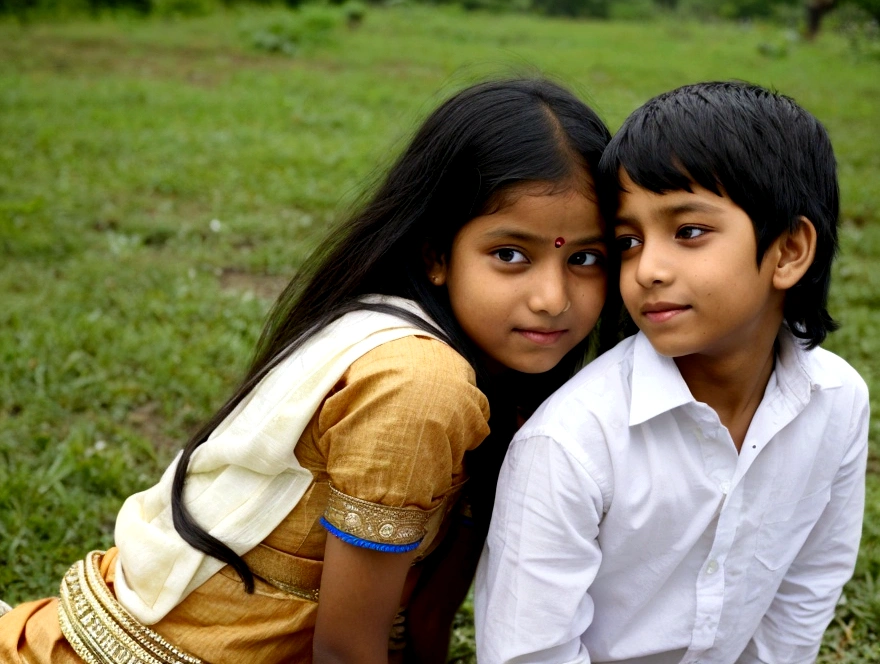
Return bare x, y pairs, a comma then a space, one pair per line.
720, 461
728, 468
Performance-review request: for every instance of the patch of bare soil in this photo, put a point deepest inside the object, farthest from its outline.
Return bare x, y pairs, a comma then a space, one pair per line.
206, 66
263, 286
147, 421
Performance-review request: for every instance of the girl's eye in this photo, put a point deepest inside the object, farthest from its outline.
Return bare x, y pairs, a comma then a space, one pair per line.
584, 258
690, 232
511, 256
627, 242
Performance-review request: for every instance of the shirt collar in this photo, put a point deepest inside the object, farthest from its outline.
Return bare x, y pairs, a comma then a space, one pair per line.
657, 385
799, 371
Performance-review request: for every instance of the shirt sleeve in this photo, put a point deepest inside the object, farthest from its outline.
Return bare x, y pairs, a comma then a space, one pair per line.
791, 630
541, 556
394, 434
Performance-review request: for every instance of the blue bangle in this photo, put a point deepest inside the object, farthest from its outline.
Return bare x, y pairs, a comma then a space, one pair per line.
367, 544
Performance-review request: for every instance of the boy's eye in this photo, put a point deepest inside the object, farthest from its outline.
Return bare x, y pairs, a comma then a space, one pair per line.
690, 232
584, 258
510, 256
627, 242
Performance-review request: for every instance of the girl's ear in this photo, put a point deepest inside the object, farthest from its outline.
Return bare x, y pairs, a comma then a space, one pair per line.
435, 264
796, 251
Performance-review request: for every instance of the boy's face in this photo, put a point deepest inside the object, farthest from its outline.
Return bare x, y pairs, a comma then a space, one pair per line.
689, 276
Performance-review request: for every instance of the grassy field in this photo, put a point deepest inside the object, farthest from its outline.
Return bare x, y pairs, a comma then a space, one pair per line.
161, 180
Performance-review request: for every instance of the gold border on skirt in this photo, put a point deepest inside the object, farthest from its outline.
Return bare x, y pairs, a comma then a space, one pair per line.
100, 630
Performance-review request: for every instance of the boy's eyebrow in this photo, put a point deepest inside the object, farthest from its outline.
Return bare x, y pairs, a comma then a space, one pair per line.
673, 210
685, 208
522, 236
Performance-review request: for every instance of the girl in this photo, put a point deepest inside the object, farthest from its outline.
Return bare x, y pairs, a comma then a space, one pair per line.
473, 276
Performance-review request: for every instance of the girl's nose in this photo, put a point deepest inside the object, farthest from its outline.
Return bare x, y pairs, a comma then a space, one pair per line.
549, 293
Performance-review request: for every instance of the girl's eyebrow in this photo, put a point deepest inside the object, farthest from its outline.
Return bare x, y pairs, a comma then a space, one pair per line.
522, 236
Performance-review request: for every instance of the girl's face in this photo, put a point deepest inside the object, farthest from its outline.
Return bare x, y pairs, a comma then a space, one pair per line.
527, 282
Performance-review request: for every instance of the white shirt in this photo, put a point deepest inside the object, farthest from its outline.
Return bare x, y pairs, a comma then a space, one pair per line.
627, 528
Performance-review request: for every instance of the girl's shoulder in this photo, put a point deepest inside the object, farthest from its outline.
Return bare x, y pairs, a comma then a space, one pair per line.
417, 361
413, 400
412, 378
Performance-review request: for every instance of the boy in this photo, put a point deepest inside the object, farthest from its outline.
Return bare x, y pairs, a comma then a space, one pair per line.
695, 494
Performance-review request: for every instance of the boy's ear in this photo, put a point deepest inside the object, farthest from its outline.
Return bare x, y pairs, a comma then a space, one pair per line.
435, 264
795, 253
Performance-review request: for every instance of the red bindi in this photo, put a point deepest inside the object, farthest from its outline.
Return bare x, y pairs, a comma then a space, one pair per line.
559, 242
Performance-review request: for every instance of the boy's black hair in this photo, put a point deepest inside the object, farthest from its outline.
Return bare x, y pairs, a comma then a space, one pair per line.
761, 149
465, 160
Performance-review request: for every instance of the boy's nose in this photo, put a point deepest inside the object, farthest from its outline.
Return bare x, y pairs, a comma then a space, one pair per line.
653, 267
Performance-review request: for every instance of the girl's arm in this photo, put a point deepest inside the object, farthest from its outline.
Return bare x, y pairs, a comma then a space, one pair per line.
360, 595
393, 440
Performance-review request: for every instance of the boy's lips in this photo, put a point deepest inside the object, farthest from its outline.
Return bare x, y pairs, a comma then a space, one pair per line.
542, 337
660, 312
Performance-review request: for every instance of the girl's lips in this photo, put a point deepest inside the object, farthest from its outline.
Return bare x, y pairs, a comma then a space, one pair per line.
542, 338
661, 314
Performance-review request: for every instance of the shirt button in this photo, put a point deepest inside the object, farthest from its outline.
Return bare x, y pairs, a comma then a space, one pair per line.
725, 487
712, 567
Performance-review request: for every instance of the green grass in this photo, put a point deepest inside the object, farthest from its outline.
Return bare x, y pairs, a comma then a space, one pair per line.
159, 181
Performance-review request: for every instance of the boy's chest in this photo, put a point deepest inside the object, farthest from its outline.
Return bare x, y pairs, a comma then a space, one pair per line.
677, 479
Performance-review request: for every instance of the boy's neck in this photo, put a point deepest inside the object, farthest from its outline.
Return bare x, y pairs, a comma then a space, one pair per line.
733, 386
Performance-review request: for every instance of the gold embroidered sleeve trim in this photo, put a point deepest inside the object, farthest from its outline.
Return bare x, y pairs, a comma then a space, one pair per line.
374, 522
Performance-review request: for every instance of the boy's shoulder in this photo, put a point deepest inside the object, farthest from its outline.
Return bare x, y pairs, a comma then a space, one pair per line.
596, 395
608, 375
828, 369
583, 419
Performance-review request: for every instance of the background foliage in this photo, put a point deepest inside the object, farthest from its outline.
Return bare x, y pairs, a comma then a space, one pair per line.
161, 179
786, 11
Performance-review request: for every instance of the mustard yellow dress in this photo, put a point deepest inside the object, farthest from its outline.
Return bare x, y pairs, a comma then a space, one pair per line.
386, 451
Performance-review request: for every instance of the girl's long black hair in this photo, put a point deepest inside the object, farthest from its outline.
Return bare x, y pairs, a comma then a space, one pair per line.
474, 148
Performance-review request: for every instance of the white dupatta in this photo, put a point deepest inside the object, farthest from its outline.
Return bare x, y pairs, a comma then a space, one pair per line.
244, 479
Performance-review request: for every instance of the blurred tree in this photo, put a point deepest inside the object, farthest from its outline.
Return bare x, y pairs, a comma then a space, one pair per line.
583, 8
872, 7
816, 10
